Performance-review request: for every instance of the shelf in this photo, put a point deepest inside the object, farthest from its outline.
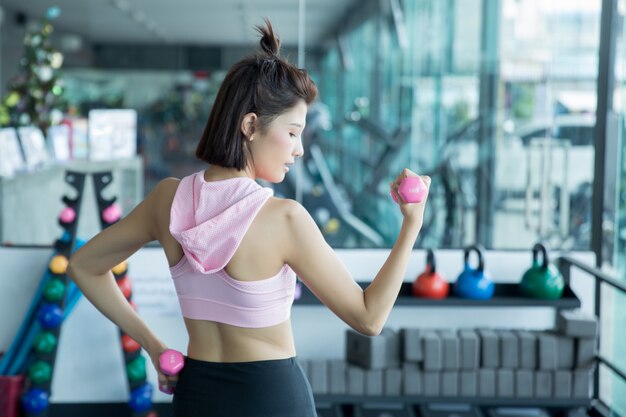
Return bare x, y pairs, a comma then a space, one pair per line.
478, 401
506, 295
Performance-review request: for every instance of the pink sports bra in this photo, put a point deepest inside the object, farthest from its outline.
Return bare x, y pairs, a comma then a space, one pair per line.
209, 220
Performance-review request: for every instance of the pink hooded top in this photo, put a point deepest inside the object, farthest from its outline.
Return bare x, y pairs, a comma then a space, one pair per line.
209, 220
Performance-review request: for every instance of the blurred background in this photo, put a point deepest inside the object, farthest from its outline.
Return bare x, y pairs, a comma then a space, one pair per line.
507, 105
513, 107
496, 100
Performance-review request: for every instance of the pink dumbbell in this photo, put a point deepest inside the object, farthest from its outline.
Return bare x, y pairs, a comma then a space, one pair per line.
412, 190
112, 213
68, 214
171, 362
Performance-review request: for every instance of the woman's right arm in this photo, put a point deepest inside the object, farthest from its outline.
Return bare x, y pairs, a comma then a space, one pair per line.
321, 270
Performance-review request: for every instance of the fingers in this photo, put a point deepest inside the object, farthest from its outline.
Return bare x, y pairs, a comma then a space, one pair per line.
168, 384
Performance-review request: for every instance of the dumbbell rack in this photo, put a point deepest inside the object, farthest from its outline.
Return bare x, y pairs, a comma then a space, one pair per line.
37, 388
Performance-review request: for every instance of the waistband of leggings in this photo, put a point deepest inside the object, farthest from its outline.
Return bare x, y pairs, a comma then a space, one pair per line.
270, 363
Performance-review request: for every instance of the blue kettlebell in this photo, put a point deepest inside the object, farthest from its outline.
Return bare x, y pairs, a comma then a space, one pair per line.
474, 283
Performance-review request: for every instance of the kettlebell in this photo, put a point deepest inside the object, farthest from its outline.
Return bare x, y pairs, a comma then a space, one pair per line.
430, 284
474, 283
542, 280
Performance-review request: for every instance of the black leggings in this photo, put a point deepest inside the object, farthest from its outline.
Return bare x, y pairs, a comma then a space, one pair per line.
270, 388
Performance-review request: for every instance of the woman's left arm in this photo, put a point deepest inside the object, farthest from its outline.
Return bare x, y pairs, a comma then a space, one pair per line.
90, 268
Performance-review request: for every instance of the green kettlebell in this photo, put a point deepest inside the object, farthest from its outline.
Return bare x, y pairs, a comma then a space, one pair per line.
542, 280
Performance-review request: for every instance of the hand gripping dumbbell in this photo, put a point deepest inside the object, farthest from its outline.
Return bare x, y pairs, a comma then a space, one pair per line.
412, 190
171, 362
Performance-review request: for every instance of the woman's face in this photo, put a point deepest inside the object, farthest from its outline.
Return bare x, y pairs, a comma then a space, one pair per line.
276, 149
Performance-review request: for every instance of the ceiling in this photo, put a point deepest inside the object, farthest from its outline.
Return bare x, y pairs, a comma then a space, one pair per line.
194, 22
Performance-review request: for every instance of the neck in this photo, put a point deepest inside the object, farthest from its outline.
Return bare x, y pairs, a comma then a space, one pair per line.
215, 172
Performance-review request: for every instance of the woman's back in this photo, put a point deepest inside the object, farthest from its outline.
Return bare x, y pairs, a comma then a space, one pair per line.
258, 256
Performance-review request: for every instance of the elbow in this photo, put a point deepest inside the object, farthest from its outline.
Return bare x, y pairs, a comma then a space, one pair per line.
370, 329
72, 269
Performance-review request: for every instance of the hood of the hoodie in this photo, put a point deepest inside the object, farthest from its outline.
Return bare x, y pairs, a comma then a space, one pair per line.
209, 219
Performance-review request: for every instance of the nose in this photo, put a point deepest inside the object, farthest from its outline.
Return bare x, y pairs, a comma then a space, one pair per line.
299, 149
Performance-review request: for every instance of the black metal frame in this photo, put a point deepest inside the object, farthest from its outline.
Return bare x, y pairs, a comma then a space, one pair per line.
565, 264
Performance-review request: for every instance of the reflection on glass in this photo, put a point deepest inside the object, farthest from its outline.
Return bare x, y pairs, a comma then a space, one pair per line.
494, 100
428, 104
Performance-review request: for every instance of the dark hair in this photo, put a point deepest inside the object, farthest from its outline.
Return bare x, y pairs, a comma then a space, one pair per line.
264, 84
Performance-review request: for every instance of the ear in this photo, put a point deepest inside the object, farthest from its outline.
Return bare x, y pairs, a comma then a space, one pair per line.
248, 124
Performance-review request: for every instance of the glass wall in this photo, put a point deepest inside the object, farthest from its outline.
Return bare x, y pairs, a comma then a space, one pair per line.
495, 100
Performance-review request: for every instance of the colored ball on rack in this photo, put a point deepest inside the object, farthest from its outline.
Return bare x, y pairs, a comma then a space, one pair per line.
68, 215
40, 372
129, 344
58, 264
35, 401
45, 342
141, 398
54, 290
124, 285
50, 316
120, 268
136, 369
112, 213
67, 236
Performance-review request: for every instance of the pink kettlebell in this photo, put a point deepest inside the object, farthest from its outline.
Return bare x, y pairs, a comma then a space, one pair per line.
171, 362
412, 190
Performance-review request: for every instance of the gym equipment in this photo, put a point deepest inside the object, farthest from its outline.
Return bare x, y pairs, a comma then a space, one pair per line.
141, 398
171, 362
130, 345
54, 290
40, 372
542, 280
45, 342
112, 213
474, 283
33, 351
50, 316
136, 369
124, 285
58, 264
412, 190
430, 284
120, 268
68, 214
35, 401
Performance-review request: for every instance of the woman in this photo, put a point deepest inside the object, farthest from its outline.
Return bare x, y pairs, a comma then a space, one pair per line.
234, 251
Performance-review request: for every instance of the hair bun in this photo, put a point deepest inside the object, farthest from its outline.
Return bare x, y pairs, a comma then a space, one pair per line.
270, 43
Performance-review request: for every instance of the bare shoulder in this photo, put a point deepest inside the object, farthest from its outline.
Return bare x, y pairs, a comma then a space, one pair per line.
286, 209
160, 202
166, 189
294, 220
162, 195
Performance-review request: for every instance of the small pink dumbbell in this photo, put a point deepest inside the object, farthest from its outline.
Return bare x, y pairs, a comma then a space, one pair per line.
171, 362
112, 213
412, 190
68, 214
